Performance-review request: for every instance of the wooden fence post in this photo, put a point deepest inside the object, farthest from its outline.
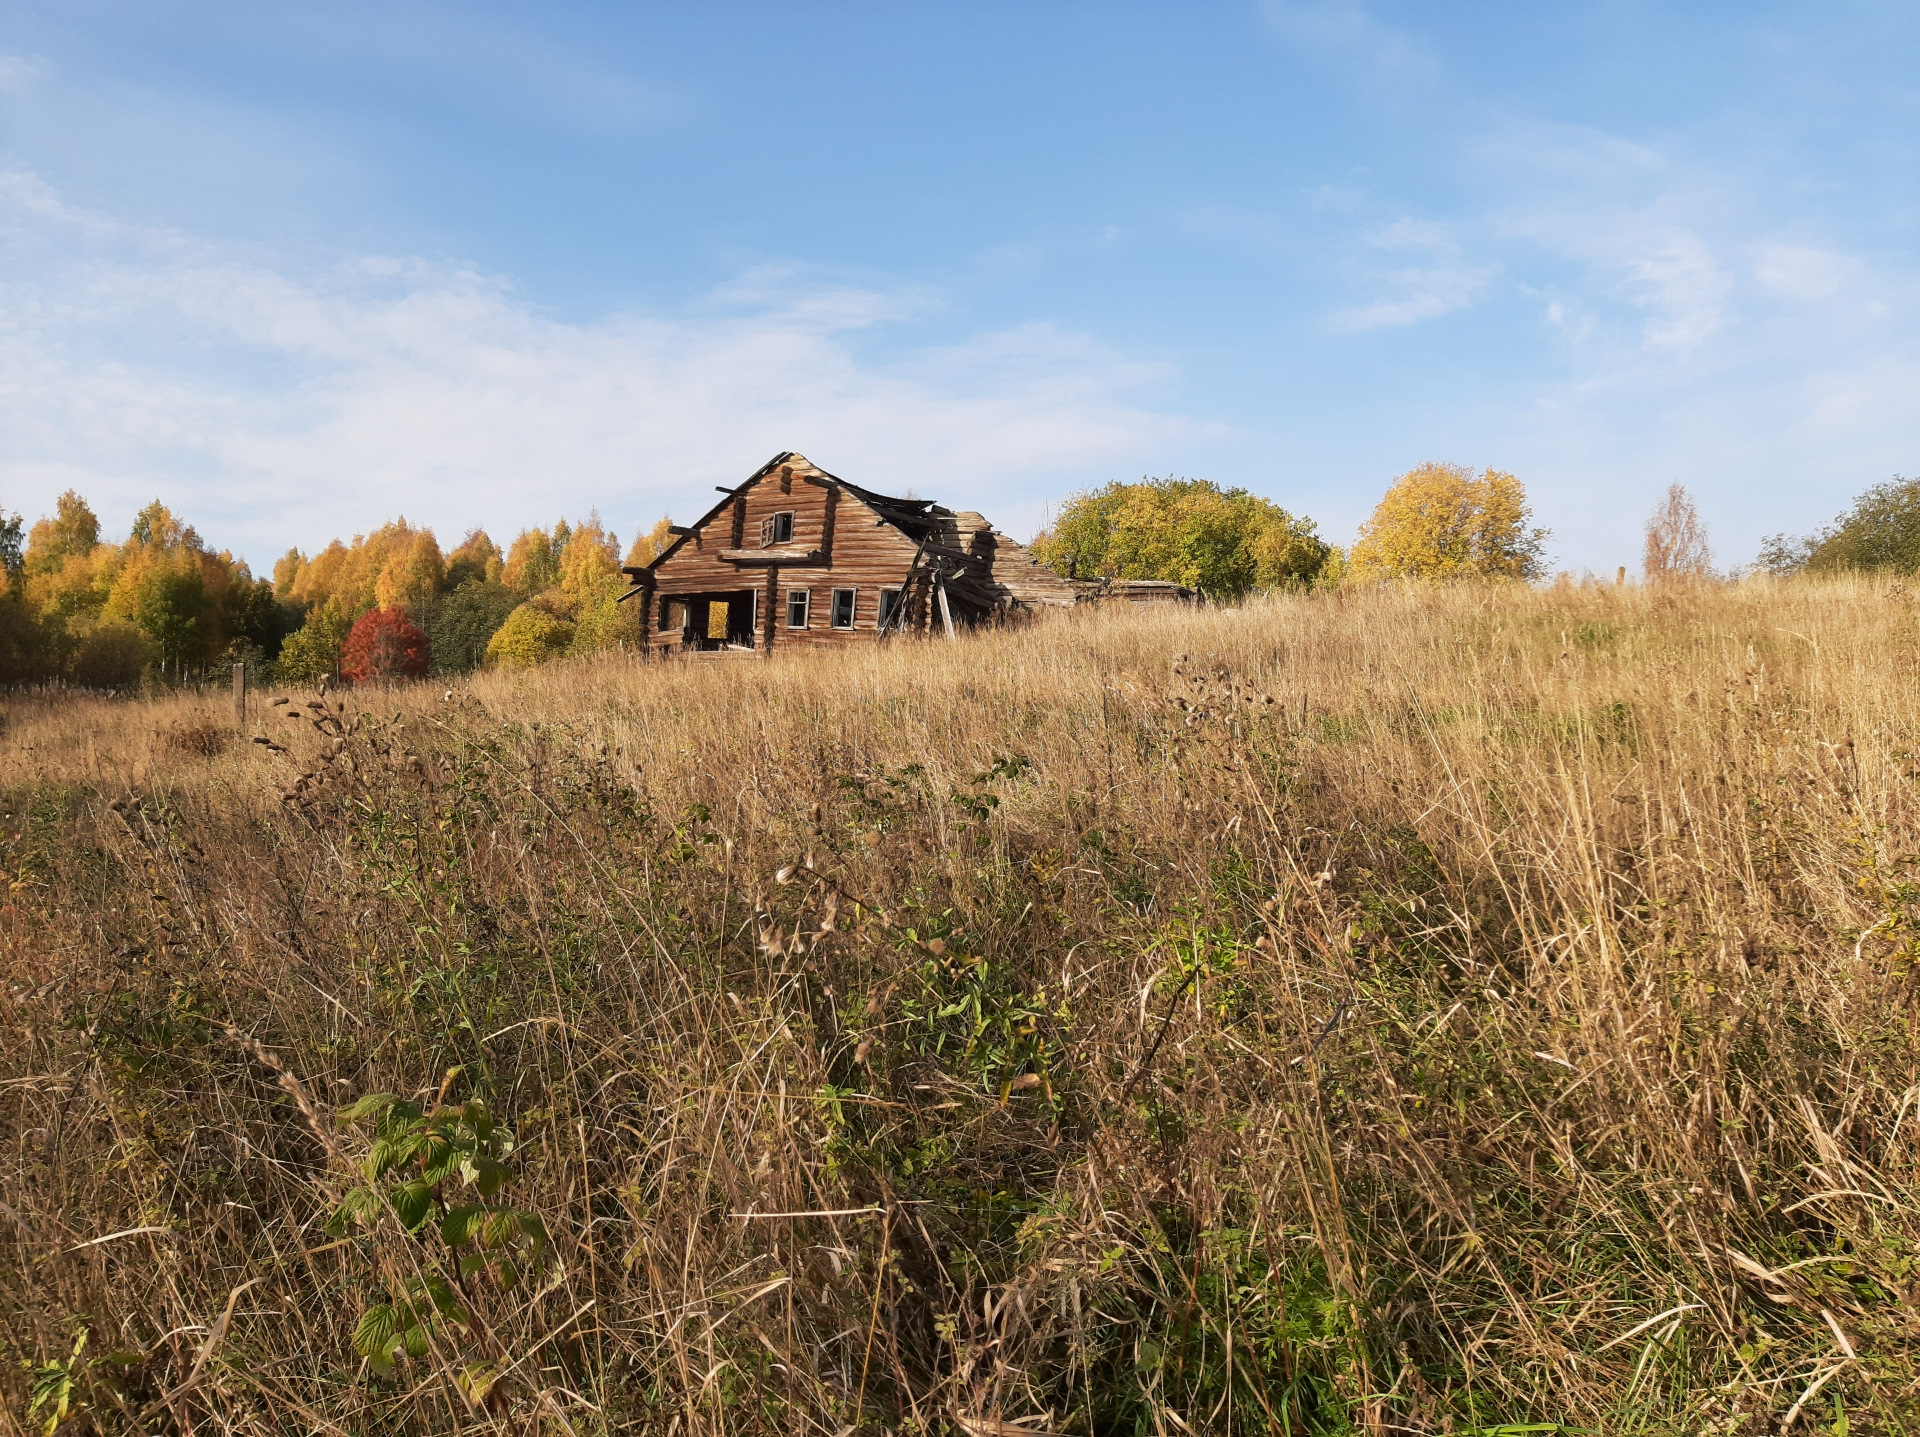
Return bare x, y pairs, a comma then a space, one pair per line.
240, 694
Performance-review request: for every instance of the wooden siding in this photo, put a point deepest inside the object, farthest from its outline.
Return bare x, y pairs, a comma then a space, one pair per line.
838, 542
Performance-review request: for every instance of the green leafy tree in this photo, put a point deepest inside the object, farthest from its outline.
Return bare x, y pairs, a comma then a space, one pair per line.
19, 636
10, 554
1880, 532
1189, 531
169, 609
258, 619
110, 655
313, 651
466, 621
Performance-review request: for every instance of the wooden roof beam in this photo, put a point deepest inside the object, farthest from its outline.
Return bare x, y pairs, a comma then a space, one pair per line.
761, 558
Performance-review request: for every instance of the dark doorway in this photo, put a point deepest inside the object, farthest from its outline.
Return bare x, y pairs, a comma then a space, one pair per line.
710, 621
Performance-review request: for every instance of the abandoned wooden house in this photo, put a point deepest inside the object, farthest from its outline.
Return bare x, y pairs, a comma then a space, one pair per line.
796, 556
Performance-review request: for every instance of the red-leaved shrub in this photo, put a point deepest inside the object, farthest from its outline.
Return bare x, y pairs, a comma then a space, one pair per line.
384, 644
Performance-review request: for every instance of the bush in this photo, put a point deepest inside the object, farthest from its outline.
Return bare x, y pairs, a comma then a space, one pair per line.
464, 623
530, 636
384, 644
312, 652
111, 656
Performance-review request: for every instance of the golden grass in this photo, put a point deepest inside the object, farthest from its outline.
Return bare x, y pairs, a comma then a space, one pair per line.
1386, 1011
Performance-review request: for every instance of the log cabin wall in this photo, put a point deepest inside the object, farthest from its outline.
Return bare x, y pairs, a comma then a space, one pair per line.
837, 542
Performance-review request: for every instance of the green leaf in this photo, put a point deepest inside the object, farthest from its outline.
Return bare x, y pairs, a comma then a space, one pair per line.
501, 1227
441, 1160
472, 1262
461, 1224
413, 1201
485, 1173
376, 1326
386, 1153
371, 1104
356, 1206
445, 1300
399, 1117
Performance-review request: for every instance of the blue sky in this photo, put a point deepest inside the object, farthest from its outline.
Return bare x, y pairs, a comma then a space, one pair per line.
299, 268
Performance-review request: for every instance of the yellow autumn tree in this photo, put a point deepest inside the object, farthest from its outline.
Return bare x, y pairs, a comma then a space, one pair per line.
1442, 522
477, 558
531, 563
651, 545
591, 582
312, 586
412, 574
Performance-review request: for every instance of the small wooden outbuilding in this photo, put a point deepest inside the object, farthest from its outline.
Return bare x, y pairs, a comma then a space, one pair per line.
796, 556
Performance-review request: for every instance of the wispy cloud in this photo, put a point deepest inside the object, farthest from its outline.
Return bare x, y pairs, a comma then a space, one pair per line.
1417, 292
1424, 293
1349, 28
1801, 272
297, 399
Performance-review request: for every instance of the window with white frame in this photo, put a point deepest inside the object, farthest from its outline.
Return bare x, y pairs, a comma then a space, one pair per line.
797, 607
889, 603
776, 529
843, 600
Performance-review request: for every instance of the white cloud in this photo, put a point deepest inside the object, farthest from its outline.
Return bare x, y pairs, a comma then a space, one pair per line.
1408, 233
1344, 26
1677, 280
279, 401
1797, 272
1423, 294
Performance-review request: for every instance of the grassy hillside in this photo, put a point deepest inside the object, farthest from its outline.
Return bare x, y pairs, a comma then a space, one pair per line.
1369, 1012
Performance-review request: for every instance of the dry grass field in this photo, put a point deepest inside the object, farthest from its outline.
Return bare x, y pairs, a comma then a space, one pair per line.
1486, 1010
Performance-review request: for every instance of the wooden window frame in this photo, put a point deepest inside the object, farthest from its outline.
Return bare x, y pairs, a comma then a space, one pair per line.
770, 535
853, 609
805, 596
889, 607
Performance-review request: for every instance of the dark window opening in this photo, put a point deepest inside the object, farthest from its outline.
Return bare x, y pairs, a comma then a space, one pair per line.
889, 603
843, 608
797, 608
776, 529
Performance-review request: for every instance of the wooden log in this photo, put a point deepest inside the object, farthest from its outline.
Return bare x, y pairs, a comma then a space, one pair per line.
790, 558
946, 614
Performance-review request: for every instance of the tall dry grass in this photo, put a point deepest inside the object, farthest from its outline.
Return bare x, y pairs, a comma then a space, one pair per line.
1399, 1011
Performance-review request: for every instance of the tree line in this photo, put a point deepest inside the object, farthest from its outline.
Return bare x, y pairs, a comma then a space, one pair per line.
1436, 523
162, 605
